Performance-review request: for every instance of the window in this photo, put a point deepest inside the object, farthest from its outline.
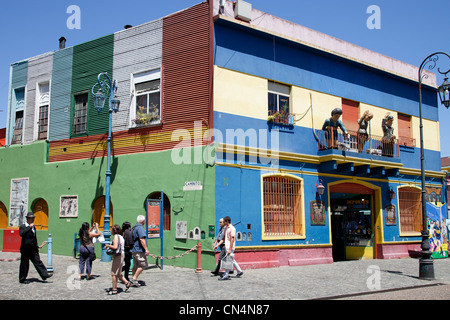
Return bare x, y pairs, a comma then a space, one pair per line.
147, 108
80, 114
18, 128
283, 207
279, 98
410, 209
43, 122
43, 103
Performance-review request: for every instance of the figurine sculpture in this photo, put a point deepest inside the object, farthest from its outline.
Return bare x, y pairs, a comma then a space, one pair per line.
388, 135
330, 127
363, 135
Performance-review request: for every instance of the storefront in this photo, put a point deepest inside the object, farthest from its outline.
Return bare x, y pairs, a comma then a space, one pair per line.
352, 222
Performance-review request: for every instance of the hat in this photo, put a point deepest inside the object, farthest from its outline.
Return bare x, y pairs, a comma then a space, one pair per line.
30, 215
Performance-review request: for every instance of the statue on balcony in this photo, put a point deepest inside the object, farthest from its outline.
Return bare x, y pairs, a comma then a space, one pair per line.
330, 127
388, 135
363, 135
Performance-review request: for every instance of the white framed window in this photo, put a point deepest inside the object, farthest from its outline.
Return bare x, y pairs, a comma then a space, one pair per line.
146, 98
19, 98
279, 98
42, 110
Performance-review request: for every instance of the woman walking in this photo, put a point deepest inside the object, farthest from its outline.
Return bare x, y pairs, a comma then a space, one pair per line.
87, 248
118, 246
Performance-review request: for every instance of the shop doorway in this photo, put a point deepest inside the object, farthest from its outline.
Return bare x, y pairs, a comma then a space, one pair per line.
352, 222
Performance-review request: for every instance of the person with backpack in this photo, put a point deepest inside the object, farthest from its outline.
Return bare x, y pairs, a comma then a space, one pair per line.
118, 247
139, 250
128, 237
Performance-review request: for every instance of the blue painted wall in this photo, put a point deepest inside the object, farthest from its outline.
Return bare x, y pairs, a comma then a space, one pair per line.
253, 52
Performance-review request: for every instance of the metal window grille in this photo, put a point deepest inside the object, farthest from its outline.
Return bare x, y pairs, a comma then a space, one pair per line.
410, 209
282, 207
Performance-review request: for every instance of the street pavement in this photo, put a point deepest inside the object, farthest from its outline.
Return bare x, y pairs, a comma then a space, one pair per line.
362, 280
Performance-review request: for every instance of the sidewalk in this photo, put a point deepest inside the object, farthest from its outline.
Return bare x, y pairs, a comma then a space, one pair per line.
173, 283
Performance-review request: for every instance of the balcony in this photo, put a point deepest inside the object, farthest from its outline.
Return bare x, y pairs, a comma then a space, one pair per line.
371, 144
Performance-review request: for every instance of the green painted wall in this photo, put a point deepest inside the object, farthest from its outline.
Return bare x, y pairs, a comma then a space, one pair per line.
90, 59
134, 177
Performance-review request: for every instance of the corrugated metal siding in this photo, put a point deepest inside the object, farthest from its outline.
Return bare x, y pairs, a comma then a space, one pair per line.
124, 142
19, 73
135, 50
183, 52
60, 98
187, 65
39, 71
90, 59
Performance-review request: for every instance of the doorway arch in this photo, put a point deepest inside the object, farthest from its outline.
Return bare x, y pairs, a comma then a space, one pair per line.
3, 216
40, 210
349, 200
166, 208
98, 212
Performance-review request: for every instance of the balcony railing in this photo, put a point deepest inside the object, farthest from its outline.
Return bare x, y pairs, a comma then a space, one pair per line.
282, 118
358, 143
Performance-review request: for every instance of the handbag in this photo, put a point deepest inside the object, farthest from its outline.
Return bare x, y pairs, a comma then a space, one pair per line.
112, 252
227, 262
92, 255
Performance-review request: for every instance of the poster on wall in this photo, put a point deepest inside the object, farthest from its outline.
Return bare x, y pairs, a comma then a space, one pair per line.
436, 219
317, 213
391, 218
19, 201
153, 218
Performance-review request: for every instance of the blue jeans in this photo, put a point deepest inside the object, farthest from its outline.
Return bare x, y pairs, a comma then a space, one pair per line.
85, 260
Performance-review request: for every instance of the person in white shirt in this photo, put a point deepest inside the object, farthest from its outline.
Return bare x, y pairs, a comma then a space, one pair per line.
117, 259
230, 241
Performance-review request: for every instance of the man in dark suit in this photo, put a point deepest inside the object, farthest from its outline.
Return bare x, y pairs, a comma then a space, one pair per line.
29, 251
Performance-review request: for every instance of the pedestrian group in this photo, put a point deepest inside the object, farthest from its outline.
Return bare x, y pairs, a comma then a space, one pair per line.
128, 243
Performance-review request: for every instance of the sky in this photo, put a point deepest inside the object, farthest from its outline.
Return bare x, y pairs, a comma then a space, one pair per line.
407, 30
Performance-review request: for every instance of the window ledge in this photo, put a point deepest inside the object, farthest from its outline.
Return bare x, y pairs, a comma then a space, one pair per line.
148, 125
290, 237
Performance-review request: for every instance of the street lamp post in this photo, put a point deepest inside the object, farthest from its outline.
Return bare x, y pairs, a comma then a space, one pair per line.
105, 85
426, 267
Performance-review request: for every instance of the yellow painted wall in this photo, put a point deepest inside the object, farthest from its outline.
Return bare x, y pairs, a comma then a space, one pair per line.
246, 95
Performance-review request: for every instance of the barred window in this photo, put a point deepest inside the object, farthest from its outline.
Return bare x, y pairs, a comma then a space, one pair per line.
283, 216
410, 209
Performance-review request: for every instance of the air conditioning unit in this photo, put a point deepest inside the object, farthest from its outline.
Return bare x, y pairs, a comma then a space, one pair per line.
243, 11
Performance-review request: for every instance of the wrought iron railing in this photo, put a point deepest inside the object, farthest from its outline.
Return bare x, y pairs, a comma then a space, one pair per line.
358, 143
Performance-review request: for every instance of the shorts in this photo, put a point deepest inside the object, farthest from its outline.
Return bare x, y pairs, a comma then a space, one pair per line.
139, 260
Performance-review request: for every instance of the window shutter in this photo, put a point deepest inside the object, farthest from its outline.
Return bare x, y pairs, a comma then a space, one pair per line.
350, 114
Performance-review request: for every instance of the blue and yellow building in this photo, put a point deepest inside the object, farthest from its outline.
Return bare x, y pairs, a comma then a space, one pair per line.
237, 107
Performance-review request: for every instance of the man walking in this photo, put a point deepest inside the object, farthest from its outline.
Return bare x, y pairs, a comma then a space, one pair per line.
230, 237
29, 251
220, 243
139, 251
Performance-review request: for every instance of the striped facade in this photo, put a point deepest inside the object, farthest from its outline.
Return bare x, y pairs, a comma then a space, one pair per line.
164, 45
216, 74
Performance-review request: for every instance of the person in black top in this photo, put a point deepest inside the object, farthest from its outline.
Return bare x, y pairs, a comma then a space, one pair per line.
29, 251
128, 237
220, 243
